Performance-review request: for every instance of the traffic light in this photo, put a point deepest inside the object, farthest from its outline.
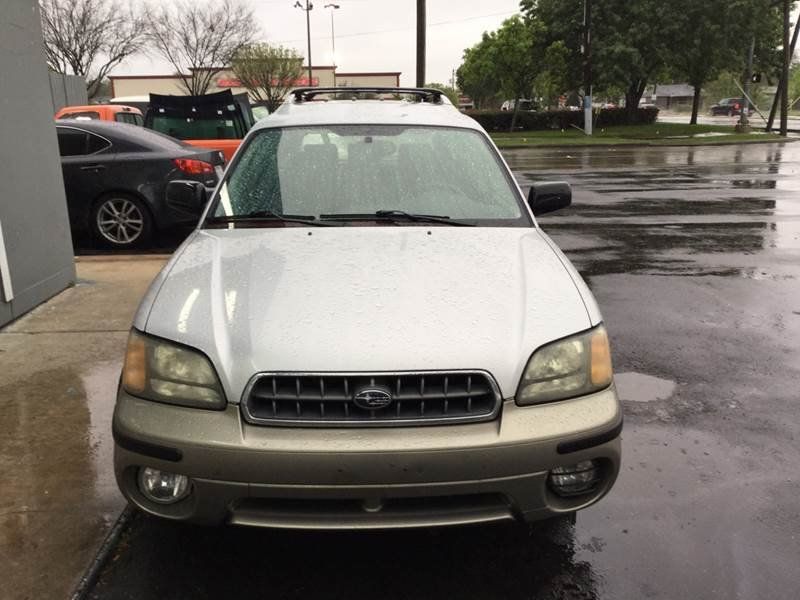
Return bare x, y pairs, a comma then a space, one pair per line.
756, 78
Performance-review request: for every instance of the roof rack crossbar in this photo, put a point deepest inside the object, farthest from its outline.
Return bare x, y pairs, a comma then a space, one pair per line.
307, 93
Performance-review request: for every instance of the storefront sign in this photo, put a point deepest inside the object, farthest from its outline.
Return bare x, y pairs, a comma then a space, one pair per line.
232, 82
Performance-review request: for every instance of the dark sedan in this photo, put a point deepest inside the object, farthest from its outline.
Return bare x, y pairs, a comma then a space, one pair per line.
729, 107
115, 177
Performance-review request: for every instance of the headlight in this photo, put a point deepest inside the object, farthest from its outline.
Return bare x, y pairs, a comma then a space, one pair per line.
571, 367
159, 370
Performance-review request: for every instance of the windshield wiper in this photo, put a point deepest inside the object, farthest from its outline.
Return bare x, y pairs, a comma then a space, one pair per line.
261, 215
396, 215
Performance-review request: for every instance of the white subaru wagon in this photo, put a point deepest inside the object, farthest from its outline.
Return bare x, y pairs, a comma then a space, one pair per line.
367, 329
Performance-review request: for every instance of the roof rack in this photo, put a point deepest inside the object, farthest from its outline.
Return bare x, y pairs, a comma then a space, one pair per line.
425, 94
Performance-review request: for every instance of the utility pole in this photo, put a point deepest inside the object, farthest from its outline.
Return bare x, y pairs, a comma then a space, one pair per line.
587, 67
787, 59
744, 120
774, 110
308, 8
421, 43
333, 7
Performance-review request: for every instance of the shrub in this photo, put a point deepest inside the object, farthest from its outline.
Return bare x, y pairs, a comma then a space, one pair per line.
500, 120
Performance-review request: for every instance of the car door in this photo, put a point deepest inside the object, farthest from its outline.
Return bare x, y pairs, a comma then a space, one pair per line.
85, 159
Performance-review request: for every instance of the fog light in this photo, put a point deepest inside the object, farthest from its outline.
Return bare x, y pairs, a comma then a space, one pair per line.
163, 487
576, 479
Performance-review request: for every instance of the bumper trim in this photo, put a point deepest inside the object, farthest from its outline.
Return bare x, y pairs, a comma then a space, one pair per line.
146, 448
589, 442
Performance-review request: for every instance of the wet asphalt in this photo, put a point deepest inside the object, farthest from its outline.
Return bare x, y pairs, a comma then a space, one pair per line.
694, 256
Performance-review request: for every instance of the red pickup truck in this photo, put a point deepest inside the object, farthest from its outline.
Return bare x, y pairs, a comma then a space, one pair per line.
215, 121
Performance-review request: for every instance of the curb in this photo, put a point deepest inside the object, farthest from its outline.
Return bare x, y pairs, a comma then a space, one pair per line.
120, 257
645, 144
92, 574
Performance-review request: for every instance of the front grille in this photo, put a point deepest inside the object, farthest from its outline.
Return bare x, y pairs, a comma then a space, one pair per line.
346, 399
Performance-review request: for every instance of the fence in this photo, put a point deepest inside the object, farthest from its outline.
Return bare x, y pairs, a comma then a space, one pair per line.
67, 90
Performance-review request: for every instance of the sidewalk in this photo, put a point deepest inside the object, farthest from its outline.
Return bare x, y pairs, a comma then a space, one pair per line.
59, 367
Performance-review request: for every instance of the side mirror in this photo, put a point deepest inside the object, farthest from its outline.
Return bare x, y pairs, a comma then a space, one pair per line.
549, 196
186, 197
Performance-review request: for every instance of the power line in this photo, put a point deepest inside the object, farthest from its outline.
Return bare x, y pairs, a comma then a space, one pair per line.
397, 30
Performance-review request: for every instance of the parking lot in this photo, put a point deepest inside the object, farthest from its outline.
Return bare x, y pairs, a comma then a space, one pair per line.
692, 254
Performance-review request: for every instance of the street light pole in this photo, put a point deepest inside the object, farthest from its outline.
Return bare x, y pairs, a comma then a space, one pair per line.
308, 8
420, 43
333, 7
587, 66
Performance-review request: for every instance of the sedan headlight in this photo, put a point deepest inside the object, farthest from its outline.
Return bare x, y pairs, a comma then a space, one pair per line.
571, 367
159, 370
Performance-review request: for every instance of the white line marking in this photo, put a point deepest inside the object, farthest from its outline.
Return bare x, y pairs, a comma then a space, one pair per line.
5, 272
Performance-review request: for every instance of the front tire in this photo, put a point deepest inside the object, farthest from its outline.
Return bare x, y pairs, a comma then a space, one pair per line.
121, 221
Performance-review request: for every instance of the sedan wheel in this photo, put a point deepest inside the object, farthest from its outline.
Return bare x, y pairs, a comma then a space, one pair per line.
121, 222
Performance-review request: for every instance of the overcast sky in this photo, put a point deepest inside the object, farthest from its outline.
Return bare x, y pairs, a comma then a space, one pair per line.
371, 35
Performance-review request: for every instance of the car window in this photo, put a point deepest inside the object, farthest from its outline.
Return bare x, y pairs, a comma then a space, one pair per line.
72, 142
363, 169
198, 128
260, 112
96, 143
129, 118
138, 120
86, 114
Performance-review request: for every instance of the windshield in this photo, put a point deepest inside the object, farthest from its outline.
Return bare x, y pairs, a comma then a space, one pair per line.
330, 172
198, 127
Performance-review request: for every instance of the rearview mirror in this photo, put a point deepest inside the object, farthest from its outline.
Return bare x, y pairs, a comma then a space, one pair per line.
187, 197
549, 196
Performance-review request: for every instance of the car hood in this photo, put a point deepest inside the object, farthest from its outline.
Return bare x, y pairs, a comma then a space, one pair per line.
366, 299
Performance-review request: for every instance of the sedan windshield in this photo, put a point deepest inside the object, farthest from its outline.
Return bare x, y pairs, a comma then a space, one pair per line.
371, 173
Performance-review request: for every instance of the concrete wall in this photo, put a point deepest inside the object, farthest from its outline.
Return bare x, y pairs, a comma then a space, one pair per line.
141, 85
36, 259
368, 79
67, 90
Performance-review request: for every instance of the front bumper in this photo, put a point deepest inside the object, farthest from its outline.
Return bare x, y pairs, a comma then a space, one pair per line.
367, 478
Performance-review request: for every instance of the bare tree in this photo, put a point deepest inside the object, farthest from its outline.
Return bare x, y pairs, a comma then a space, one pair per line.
89, 37
200, 39
267, 72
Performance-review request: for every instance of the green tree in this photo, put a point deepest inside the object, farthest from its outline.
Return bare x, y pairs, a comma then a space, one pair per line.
451, 93
267, 72
704, 44
477, 76
553, 80
559, 39
503, 62
715, 35
794, 85
516, 60
630, 41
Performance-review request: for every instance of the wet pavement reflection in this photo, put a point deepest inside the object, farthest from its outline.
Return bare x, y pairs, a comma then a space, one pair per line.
679, 211
693, 255
60, 366
467, 562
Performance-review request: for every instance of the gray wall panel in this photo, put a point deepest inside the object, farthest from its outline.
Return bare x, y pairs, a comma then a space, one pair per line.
33, 210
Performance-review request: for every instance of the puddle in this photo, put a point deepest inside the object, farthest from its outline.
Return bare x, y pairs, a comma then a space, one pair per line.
637, 387
100, 388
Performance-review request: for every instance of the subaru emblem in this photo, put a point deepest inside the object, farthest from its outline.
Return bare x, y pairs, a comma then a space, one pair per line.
372, 398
